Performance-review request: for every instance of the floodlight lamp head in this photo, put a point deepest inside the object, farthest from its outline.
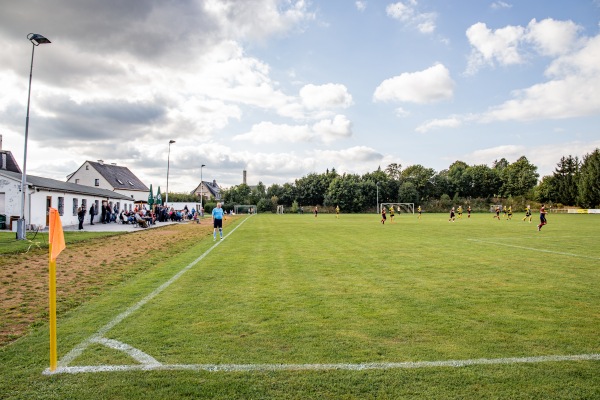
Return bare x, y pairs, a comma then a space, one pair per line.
171, 141
37, 39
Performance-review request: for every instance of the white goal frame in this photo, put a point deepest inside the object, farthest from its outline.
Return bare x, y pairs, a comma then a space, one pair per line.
247, 206
400, 207
280, 209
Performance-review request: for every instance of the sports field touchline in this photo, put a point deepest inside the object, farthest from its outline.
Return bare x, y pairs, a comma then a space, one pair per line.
532, 249
149, 363
152, 366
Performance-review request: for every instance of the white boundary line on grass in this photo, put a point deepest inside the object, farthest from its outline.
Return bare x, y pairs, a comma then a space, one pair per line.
322, 367
98, 337
532, 249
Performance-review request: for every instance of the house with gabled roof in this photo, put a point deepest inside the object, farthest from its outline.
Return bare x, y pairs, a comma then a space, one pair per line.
111, 177
208, 190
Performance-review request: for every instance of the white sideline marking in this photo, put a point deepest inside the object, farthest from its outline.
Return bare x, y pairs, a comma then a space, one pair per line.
532, 249
321, 367
98, 336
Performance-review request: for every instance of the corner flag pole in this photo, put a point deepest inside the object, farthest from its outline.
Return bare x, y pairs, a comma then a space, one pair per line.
52, 310
56, 241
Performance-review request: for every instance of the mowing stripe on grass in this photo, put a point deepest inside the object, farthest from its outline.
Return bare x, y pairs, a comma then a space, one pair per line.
322, 367
98, 336
532, 249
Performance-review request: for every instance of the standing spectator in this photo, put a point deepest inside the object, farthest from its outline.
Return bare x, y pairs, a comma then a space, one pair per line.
103, 213
80, 217
217, 217
92, 213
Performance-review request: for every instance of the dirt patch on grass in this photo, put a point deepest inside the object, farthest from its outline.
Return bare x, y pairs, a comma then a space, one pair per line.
84, 270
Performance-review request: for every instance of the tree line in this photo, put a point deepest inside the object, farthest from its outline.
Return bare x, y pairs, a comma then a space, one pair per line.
574, 182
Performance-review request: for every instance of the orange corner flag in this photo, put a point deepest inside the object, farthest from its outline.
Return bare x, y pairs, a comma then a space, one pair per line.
56, 235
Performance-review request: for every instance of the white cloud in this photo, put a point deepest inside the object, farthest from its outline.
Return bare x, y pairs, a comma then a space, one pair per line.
258, 19
572, 93
408, 13
500, 4
325, 96
326, 131
422, 87
512, 44
551, 37
490, 46
452, 122
361, 5
268, 132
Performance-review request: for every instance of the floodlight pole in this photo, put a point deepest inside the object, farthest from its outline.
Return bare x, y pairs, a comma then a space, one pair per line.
35, 40
168, 162
377, 208
201, 185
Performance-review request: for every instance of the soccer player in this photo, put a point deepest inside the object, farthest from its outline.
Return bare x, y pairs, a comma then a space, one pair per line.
542, 217
509, 212
504, 211
316, 211
528, 214
391, 214
451, 215
217, 217
469, 212
337, 211
383, 217
459, 211
419, 211
497, 213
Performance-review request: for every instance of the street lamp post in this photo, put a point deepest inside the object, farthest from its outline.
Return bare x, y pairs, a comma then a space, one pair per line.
168, 163
201, 185
378, 197
36, 40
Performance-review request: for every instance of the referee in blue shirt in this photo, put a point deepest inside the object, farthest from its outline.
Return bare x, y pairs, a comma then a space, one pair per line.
217, 217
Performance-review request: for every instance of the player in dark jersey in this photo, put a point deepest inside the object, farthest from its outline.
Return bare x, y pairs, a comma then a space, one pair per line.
542, 217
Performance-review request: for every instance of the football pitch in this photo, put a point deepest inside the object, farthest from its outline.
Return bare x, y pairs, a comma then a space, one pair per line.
297, 306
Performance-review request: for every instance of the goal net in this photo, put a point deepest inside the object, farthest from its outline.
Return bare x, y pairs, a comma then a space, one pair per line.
244, 208
279, 209
406, 208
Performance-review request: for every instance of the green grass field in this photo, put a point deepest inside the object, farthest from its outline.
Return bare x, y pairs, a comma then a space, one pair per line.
301, 307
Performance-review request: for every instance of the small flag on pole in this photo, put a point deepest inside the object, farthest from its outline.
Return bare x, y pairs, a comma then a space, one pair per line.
57, 237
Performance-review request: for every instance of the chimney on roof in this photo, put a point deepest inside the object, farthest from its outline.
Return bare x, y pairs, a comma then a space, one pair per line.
101, 162
244, 177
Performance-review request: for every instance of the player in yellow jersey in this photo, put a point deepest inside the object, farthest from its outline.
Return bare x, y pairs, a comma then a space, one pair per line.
509, 213
459, 212
528, 214
337, 211
419, 211
391, 214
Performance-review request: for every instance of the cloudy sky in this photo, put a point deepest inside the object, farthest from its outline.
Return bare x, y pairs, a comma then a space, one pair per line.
283, 88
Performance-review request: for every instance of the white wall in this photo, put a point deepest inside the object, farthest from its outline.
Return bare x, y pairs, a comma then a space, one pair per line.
88, 177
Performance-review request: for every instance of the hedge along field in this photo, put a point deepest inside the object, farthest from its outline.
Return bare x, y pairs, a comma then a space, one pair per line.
293, 306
